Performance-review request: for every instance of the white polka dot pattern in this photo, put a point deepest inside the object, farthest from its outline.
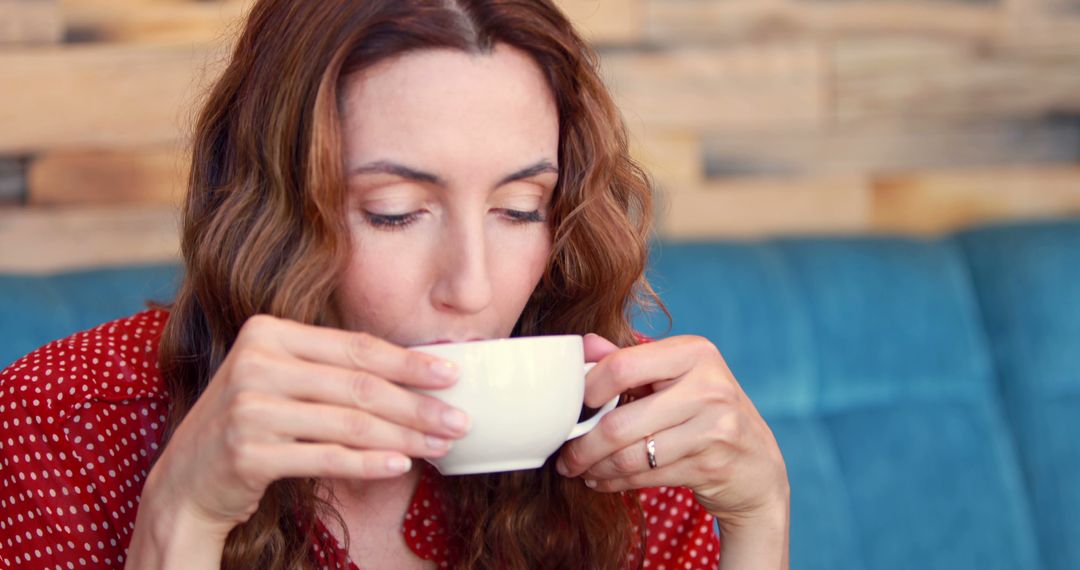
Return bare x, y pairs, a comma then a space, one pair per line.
81, 419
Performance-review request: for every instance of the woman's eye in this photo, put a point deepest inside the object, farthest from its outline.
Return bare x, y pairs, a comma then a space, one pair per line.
391, 222
401, 221
520, 216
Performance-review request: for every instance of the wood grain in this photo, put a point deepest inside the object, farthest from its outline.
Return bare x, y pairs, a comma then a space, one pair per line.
757, 208
739, 88
903, 79
938, 202
157, 176
46, 240
101, 96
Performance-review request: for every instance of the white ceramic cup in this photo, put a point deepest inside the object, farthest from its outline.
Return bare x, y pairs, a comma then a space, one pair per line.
523, 396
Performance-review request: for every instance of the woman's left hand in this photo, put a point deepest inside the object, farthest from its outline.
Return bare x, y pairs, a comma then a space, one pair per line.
709, 437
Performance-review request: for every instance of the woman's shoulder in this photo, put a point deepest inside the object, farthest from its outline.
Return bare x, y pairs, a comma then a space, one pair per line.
114, 361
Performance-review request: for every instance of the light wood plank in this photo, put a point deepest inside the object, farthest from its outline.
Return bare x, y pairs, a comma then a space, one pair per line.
25, 22
606, 21
741, 88
680, 21
144, 21
101, 96
938, 202
673, 159
897, 80
890, 148
109, 177
46, 240
757, 208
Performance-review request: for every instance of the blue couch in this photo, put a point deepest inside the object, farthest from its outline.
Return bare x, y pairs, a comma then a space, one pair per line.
925, 393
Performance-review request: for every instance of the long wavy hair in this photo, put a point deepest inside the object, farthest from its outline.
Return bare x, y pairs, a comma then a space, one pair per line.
264, 231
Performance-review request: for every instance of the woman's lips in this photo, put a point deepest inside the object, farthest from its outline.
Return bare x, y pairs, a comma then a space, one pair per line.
448, 340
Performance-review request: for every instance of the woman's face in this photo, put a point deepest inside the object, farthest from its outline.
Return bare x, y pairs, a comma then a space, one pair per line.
451, 161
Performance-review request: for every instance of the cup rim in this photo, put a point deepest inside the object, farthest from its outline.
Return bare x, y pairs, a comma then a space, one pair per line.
507, 340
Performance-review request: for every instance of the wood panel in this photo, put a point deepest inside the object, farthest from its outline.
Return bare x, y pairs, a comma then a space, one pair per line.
673, 159
30, 22
902, 79
937, 202
601, 22
46, 240
681, 21
758, 208
109, 177
606, 21
145, 21
103, 96
738, 88
890, 148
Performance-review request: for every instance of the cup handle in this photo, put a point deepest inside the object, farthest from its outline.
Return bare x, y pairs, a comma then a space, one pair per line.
587, 425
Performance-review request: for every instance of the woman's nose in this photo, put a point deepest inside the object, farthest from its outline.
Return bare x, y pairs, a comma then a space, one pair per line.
464, 283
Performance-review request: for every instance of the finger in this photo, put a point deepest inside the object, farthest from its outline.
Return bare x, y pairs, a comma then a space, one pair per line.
352, 428
643, 364
683, 473
626, 425
597, 347
357, 389
325, 460
671, 446
362, 351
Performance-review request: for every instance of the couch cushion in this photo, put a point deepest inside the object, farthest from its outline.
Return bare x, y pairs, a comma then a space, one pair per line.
38, 309
1027, 277
867, 358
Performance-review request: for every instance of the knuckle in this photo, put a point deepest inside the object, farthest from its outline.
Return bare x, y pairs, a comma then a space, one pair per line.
362, 387
429, 412
256, 326
727, 428
417, 363
358, 346
244, 463
721, 392
250, 364
716, 466
620, 367
572, 456
615, 426
703, 345
332, 460
356, 425
625, 461
244, 406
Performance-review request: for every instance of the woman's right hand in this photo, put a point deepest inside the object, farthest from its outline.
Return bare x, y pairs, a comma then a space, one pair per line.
295, 400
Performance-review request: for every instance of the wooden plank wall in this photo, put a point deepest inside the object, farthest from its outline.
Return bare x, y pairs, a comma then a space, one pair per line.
755, 117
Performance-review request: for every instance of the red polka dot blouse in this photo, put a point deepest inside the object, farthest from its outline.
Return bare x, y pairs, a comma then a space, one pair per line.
81, 419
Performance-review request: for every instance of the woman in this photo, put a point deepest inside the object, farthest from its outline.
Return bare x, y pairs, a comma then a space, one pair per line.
368, 176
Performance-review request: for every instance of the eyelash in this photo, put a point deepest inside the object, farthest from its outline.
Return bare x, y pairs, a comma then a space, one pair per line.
402, 221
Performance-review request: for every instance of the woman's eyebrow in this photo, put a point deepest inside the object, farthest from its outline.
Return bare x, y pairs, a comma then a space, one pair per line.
388, 167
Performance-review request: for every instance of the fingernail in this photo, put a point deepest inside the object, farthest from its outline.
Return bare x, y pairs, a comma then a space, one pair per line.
455, 420
590, 483
399, 464
438, 444
560, 466
444, 370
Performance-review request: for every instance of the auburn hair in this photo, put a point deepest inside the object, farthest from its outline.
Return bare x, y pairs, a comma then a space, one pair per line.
264, 231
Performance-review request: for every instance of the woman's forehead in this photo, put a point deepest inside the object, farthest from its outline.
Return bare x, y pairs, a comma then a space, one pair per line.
432, 99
